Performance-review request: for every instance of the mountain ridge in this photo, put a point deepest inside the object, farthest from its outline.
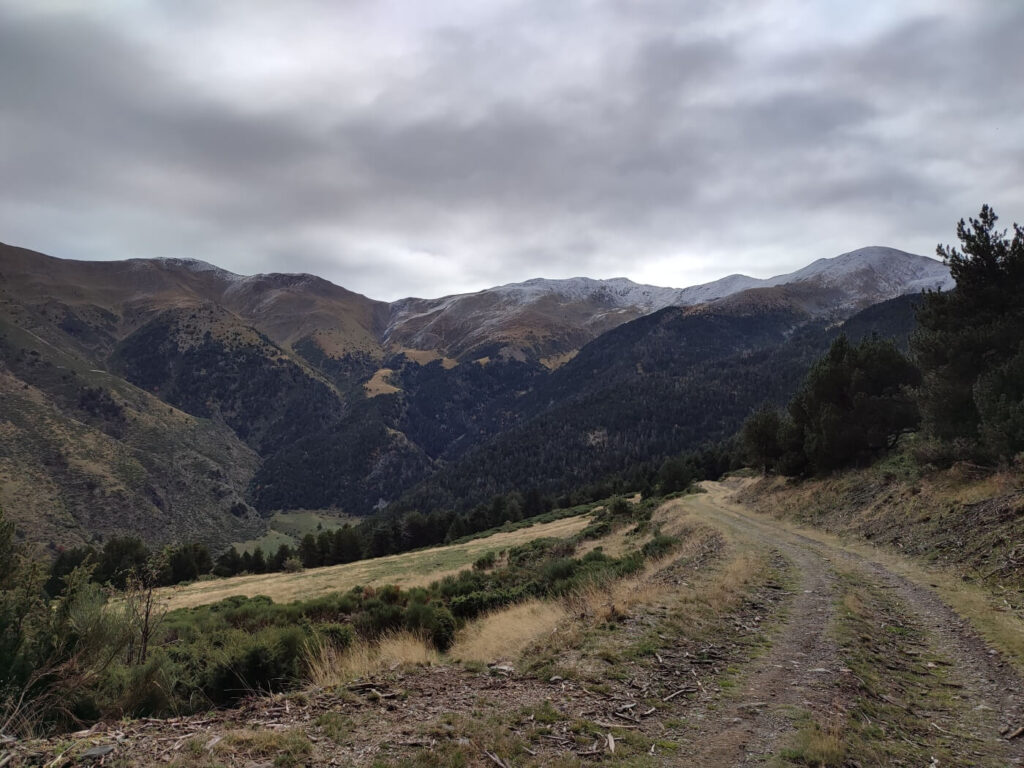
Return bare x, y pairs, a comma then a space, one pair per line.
211, 399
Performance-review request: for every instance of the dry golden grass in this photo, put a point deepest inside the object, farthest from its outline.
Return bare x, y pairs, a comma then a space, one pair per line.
689, 608
819, 746
406, 570
380, 384
329, 667
424, 356
606, 601
557, 361
615, 544
505, 634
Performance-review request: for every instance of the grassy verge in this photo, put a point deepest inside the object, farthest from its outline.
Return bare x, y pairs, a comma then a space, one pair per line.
639, 639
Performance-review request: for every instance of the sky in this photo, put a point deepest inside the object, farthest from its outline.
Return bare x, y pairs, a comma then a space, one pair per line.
414, 148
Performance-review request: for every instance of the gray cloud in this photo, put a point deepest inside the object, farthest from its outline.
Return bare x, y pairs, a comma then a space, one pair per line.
397, 149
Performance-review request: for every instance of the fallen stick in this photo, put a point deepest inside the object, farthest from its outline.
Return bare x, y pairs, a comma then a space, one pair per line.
680, 691
496, 760
1015, 734
615, 725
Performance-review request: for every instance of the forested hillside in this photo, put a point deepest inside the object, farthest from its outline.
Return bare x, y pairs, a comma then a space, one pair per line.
646, 391
296, 394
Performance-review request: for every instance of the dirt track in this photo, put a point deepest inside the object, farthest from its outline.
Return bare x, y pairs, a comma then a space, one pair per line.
802, 669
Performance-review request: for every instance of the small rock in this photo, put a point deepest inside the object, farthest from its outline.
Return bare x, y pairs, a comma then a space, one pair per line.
555, 679
97, 752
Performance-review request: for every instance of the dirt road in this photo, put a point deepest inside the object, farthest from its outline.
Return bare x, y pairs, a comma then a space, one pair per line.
805, 667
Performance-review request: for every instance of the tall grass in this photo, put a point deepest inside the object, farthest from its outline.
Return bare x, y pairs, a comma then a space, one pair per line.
328, 666
504, 634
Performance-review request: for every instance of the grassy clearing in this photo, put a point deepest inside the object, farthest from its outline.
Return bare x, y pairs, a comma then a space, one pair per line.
380, 383
406, 570
289, 528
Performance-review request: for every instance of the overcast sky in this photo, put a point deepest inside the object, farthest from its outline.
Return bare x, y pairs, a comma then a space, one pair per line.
424, 148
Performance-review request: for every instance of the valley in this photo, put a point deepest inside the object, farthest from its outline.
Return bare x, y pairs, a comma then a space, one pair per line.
511, 385
203, 402
780, 527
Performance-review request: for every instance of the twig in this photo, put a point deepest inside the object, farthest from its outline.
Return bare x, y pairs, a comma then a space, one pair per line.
676, 693
1015, 734
615, 725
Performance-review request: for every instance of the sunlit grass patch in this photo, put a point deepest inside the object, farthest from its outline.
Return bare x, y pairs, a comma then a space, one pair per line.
329, 666
506, 633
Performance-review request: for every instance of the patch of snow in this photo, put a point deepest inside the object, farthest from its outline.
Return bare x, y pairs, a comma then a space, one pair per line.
874, 273
200, 267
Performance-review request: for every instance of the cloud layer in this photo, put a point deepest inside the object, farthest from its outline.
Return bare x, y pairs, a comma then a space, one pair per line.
403, 148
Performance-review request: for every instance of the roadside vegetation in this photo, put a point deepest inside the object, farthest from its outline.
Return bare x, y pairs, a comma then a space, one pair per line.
95, 658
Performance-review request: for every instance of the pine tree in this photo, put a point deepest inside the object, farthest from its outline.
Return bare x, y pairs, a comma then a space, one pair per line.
760, 438
854, 403
970, 342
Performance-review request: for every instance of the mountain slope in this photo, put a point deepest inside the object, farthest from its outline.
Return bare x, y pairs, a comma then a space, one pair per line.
173, 399
648, 390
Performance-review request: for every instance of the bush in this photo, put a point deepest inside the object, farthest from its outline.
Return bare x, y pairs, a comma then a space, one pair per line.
659, 546
265, 662
338, 636
484, 562
442, 629
619, 507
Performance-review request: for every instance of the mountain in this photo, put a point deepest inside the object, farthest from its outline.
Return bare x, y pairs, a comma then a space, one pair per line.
174, 399
550, 319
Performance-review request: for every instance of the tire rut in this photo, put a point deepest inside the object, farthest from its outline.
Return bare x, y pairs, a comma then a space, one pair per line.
991, 686
797, 672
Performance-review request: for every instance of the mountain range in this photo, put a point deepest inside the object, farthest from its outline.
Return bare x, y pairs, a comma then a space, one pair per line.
175, 400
